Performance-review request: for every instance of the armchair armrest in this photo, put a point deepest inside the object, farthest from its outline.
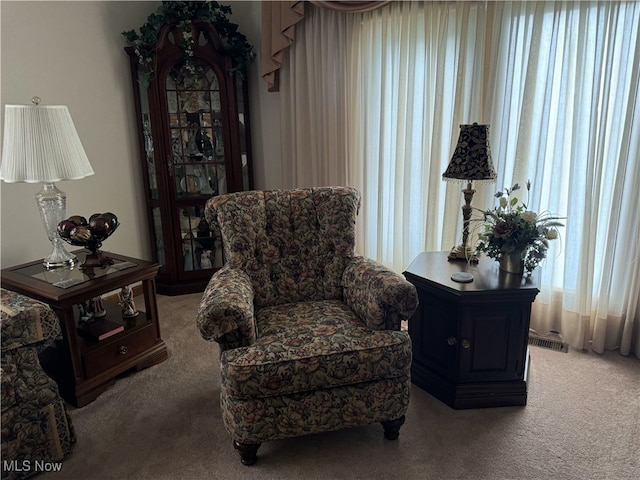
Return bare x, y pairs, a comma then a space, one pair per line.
381, 297
225, 314
26, 322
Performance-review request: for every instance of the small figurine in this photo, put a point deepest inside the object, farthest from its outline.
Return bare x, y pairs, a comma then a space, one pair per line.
187, 251
205, 259
97, 307
86, 315
127, 303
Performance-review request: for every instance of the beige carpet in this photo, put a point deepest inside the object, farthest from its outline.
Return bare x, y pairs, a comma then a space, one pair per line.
582, 421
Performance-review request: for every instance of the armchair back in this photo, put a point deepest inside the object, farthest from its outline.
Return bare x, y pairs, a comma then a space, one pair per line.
293, 244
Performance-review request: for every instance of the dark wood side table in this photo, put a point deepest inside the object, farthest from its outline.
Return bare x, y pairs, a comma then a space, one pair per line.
84, 368
470, 340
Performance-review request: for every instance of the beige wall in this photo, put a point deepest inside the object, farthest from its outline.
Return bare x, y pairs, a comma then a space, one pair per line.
71, 53
265, 106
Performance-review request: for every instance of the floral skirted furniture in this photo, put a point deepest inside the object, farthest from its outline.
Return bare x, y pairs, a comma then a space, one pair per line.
35, 426
309, 332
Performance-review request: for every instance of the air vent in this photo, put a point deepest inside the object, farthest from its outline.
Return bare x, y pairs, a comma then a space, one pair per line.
550, 341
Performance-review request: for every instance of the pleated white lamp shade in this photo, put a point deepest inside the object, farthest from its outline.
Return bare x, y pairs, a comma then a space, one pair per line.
41, 145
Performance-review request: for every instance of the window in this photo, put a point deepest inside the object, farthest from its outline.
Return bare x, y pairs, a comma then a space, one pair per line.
557, 82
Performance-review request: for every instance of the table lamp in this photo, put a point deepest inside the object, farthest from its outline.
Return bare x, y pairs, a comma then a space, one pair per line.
41, 145
471, 162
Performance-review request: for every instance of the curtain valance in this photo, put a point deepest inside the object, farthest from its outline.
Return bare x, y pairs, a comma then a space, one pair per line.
279, 20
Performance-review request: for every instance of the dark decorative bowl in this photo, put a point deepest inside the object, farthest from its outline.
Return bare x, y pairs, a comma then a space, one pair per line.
77, 230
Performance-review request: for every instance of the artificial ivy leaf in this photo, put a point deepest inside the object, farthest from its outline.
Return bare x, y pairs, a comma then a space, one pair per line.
130, 35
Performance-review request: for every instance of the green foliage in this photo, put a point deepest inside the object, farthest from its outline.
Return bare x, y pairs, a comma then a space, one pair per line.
183, 13
510, 227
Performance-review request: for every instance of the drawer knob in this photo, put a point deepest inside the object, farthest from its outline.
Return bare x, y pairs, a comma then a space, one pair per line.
452, 340
466, 343
123, 350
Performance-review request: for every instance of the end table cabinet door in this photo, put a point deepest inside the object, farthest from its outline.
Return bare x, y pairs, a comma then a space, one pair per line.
492, 342
477, 342
435, 323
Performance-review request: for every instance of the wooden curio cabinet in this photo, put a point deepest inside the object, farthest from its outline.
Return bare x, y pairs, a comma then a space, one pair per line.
193, 125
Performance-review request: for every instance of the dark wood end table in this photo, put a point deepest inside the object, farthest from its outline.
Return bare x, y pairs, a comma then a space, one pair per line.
82, 367
470, 340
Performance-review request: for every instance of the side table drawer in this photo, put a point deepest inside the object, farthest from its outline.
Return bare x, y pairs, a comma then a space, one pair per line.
119, 350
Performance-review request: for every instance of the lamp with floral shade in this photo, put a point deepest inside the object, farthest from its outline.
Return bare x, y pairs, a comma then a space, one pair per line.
471, 162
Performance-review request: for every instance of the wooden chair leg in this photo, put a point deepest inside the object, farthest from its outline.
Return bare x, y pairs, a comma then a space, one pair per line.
248, 452
392, 428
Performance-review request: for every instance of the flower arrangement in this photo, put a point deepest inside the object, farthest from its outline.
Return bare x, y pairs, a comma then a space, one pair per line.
510, 228
183, 13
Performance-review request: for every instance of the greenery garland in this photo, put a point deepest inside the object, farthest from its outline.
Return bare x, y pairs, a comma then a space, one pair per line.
184, 13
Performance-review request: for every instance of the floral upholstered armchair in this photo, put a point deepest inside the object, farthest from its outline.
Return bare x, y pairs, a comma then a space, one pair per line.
309, 333
35, 424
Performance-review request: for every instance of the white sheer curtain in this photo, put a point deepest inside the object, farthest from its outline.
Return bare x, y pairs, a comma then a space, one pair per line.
578, 138
313, 101
374, 100
416, 76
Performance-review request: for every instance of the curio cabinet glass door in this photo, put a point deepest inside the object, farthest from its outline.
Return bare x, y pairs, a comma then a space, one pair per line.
193, 123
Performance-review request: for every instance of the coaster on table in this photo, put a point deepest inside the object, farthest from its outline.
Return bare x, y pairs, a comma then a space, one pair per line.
462, 277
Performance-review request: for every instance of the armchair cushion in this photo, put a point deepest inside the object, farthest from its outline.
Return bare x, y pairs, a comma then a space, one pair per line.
309, 346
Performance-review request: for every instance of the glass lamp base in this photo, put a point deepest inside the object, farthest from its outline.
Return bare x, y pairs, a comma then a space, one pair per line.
59, 257
52, 204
